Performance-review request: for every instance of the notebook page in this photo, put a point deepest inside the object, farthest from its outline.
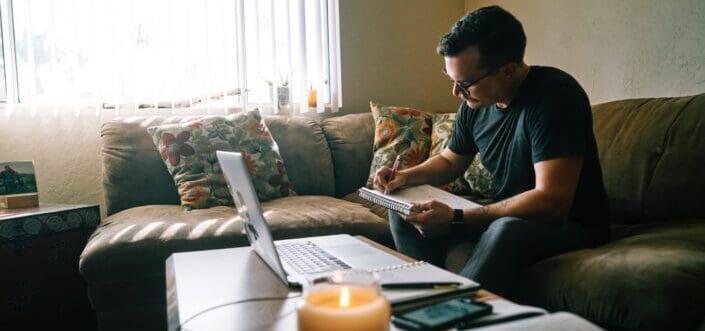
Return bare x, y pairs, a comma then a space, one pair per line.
425, 193
421, 272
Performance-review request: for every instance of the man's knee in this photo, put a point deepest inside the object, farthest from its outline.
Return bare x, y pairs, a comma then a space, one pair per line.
393, 215
398, 224
507, 227
394, 219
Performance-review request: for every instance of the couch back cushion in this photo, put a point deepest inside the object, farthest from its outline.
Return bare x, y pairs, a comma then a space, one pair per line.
135, 175
350, 138
652, 159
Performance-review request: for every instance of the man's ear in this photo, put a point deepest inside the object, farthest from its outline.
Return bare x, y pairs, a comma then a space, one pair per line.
509, 69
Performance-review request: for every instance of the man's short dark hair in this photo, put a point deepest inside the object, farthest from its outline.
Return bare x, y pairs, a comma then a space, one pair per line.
497, 33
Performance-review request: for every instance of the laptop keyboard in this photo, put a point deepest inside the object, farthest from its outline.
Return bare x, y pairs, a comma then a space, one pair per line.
308, 258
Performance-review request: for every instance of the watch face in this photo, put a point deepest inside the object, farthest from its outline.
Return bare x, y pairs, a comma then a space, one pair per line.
458, 216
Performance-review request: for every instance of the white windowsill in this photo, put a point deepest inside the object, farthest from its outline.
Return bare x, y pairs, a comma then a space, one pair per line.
88, 110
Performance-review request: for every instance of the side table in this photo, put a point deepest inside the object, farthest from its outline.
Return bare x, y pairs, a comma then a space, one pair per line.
40, 286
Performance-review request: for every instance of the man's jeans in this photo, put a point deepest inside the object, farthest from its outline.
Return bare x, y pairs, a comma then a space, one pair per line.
509, 245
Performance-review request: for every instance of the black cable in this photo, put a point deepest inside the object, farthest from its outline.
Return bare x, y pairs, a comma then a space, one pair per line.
241, 301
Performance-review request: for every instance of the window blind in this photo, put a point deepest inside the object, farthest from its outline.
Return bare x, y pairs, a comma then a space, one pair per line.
181, 54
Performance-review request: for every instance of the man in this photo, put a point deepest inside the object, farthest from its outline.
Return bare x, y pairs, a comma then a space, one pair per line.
532, 126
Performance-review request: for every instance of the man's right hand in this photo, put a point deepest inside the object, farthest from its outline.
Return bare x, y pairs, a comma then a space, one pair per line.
382, 184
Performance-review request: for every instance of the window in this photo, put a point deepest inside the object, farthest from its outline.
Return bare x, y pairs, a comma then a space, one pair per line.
162, 53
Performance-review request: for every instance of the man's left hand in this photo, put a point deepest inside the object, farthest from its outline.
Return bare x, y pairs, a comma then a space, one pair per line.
431, 219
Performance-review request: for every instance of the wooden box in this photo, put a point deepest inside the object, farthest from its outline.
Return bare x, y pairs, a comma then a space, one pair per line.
19, 200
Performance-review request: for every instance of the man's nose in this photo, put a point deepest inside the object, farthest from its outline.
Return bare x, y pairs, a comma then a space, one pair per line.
456, 91
459, 92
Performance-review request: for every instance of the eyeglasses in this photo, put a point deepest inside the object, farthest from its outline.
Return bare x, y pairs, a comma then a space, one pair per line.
464, 86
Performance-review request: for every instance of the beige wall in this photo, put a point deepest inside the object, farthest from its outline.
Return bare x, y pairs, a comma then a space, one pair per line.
64, 149
617, 49
388, 54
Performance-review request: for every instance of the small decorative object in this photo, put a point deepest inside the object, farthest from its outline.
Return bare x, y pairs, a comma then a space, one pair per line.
312, 98
18, 185
282, 95
348, 300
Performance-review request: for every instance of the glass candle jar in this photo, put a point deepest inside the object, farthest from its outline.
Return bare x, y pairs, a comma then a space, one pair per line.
348, 300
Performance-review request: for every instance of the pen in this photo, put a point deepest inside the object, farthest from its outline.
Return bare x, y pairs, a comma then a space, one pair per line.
394, 171
437, 285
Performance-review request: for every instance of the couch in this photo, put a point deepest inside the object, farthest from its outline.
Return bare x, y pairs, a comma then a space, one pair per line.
650, 276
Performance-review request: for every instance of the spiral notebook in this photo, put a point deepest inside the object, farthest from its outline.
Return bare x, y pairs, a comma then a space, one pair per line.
421, 272
401, 199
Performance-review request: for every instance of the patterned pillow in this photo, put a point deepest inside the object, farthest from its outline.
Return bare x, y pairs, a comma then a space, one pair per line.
188, 150
442, 128
476, 180
399, 131
479, 178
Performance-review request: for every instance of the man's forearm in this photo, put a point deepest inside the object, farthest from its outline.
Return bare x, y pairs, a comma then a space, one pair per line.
532, 205
436, 170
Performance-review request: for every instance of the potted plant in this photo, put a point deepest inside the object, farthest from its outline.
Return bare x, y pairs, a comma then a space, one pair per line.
283, 95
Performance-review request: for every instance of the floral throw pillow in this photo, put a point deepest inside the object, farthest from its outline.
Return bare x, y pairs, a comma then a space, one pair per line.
399, 131
188, 150
442, 128
476, 180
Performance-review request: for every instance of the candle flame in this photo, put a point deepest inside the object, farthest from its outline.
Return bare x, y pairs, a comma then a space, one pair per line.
345, 297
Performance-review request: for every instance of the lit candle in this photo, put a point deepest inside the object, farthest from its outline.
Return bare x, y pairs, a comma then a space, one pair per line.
312, 98
344, 308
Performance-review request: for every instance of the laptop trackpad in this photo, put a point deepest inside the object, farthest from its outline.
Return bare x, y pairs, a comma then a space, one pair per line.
363, 256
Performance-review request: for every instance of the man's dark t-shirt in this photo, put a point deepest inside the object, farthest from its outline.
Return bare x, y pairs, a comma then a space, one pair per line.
550, 117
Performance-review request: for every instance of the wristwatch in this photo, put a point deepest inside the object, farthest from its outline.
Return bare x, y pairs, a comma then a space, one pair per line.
457, 218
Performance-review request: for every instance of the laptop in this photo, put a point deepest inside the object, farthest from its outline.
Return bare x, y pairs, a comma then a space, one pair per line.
294, 260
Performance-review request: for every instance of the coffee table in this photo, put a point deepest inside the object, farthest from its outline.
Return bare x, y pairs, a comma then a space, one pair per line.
203, 286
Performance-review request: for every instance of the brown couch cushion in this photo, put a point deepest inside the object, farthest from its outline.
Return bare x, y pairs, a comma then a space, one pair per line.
373, 207
306, 154
649, 151
652, 280
137, 241
133, 171
677, 186
350, 140
135, 175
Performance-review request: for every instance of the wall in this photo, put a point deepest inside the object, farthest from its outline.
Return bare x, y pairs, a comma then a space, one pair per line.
617, 49
388, 54
64, 149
